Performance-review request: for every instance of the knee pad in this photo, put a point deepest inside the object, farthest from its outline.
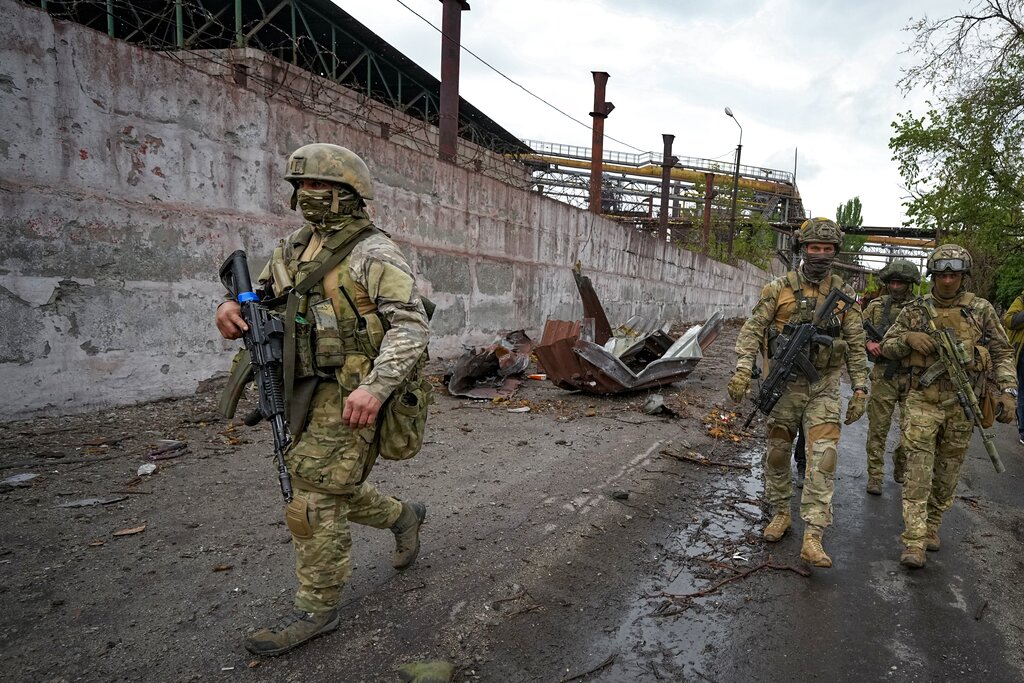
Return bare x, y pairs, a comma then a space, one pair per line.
296, 516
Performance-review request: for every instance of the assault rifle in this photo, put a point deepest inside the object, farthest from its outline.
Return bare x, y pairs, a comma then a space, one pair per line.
793, 354
875, 335
952, 361
264, 342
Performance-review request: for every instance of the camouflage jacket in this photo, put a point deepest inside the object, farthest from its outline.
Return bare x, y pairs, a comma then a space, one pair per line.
379, 281
777, 304
977, 328
875, 313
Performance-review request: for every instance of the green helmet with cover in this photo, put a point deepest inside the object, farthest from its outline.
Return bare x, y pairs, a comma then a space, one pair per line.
823, 230
900, 269
330, 163
949, 258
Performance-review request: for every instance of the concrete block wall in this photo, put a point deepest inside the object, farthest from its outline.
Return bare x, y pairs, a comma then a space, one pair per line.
127, 176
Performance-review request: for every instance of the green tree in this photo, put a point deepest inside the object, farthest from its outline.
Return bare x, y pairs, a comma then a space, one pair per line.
849, 215
963, 160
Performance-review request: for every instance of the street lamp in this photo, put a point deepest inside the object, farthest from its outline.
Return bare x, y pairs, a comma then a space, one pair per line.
735, 182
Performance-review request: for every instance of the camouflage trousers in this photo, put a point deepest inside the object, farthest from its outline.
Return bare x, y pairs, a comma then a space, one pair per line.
329, 464
816, 407
936, 434
323, 545
885, 395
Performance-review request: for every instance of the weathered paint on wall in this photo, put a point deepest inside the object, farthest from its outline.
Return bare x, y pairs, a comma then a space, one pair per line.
126, 177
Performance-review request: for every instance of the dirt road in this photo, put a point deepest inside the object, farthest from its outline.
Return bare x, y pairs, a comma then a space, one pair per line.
536, 564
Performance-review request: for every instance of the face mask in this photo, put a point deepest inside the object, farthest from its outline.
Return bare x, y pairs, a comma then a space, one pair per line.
945, 290
901, 294
320, 206
815, 266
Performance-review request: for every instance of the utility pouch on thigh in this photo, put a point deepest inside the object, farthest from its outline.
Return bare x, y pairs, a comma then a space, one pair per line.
328, 349
296, 516
403, 424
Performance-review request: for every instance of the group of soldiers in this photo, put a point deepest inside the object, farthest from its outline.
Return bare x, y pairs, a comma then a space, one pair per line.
356, 332
901, 341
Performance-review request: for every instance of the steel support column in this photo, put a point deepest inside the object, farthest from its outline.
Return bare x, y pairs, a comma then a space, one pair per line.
600, 113
667, 162
451, 38
709, 195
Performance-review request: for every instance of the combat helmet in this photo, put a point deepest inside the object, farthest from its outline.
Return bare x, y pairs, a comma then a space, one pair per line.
900, 269
330, 163
949, 258
820, 230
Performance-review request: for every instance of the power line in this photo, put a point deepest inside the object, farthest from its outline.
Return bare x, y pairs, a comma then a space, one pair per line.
521, 87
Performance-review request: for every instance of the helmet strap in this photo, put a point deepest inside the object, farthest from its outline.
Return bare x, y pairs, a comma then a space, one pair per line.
295, 196
334, 200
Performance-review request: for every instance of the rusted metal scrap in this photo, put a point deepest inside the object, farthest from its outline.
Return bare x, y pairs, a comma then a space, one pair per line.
588, 355
493, 371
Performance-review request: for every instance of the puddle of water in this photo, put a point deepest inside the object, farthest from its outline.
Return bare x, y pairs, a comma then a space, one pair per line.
675, 638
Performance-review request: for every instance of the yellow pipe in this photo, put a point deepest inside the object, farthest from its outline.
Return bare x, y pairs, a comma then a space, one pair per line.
685, 174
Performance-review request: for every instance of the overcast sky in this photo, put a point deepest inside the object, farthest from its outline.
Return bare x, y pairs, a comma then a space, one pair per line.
814, 75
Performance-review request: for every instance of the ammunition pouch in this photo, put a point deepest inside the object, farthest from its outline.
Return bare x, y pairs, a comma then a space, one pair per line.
403, 419
988, 404
296, 516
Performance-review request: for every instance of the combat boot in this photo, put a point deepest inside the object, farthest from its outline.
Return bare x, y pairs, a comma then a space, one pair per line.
812, 551
291, 631
931, 539
874, 486
407, 535
777, 528
899, 472
912, 557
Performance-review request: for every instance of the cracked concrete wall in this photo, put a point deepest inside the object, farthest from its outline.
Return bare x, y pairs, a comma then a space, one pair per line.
127, 176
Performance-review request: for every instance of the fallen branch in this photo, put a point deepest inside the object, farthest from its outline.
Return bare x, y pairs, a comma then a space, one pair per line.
603, 665
742, 575
51, 463
703, 461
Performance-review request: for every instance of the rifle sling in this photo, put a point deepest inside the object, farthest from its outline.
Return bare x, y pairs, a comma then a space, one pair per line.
297, 418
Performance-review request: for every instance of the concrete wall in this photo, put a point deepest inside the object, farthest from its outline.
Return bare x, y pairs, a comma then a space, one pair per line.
126, 177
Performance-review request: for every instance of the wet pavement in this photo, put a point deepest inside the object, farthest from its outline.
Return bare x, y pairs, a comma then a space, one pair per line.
868, 618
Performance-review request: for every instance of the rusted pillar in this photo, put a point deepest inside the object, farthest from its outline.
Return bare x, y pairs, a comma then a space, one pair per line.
709, 194
667, 162
600, 113
451, 37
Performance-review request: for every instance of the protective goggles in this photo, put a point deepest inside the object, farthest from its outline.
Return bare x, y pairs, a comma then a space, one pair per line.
949, 264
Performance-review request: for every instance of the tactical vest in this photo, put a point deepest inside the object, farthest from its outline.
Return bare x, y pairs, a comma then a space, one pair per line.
892, 367
796, 305
967, 328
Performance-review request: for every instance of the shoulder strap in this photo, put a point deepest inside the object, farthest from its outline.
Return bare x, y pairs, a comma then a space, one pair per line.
794, 283
886, 310
292, 309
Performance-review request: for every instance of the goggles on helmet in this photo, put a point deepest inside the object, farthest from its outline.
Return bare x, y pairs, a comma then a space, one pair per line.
949, 264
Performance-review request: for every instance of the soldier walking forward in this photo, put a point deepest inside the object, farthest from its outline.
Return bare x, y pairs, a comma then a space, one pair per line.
936, 431
889, 379
793, 298
359, 336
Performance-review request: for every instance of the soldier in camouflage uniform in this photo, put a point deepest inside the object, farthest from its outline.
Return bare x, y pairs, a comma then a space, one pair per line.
360, 333
936, 432
793, 298
889, 379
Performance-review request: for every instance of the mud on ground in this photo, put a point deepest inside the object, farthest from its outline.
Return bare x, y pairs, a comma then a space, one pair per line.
550, 536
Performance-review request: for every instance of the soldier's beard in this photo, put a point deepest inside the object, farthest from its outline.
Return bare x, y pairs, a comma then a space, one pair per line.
317, 206
816, 266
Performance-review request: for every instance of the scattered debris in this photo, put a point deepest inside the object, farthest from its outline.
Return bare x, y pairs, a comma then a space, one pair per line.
520, 409
620, 494
694, 456
980, 611
603, 665
222, 567
131, 531
146, 469
168, 448
19, 480
96, 543
493, 371
655, 405
587, 355
713, 588
428, 671
537, 375
90, 502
